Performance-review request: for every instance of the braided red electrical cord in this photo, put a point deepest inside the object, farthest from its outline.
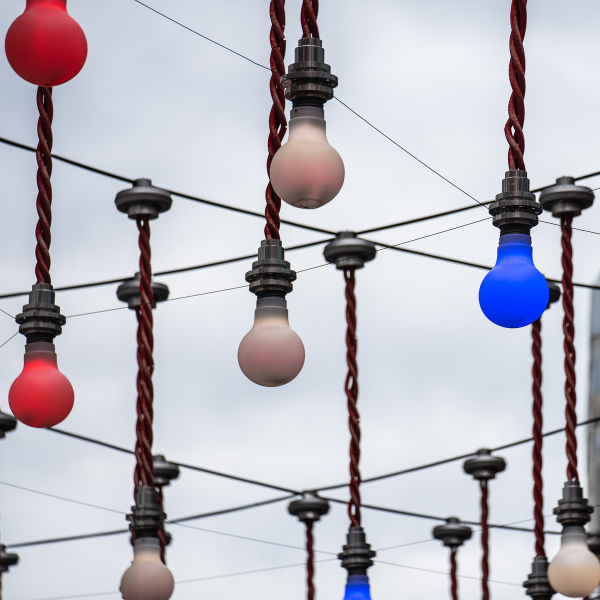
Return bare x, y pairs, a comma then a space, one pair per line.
516, 72
277, 120
161, 532
351, 388
143, 447
453, 576
310, 562
308, 18
485, 536
569, 345
44, 197
538, 422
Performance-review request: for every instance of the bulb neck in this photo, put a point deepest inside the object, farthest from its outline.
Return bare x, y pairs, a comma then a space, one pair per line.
306, 112
573, 534
271, 308
49, 4
357, 586
44, 351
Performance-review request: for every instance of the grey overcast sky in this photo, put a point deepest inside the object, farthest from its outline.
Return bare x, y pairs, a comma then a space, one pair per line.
437, 378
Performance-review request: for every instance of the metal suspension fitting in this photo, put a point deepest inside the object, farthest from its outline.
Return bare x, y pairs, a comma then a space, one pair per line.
163, 471
309, 81
310, 508
271, 274
554, 294
357, 554
566, 198
453, 533
7, 559
129, 291
515, 209
348, 251
147, 516
484, 466
573, 509
41, 320
143, 200
7, 423
537, 585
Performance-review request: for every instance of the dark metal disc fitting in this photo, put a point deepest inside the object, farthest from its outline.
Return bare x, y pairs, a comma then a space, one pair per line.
309, 81
163, 471
129, 291
554, 294
41, 320
143, 200
453, 533
271, 274
357, 554
515, 209
573, 509
484, 465
310, 508
348, 251
147, 516
7, 559
537, 585
566, 198
7, 423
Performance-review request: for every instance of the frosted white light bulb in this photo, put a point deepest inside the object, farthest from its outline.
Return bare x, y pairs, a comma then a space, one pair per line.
574, 571
307, 172
271, 353
147, 578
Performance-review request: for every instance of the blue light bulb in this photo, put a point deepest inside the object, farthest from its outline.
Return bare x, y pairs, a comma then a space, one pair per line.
357, 588
514, 293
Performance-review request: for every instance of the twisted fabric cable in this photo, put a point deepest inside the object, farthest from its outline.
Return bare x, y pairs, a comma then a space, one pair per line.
310, 562
538, 423
453, 574
308, 18
516, 72
485, 536
277, 119
43, 156
569, 346
161, 532
351, 388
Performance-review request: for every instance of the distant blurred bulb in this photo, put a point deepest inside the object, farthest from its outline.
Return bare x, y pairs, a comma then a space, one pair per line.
357, 588
147, 578
574, 571
271, 353
41, 396
307, 172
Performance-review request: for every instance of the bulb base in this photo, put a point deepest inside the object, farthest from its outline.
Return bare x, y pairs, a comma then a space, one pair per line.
271, 274
484, 466
348, 251
147, 516
129, 291
566, 198
310, 508
309, 81
357, 554
537, 585
143, 200
41, 320
453, 533
573, 509
515, 209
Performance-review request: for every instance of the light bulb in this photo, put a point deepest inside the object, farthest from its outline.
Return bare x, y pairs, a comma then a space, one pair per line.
514, 293
271, 353
307, 172
357, 588
147, 578
45, 45
41, 396
574, 571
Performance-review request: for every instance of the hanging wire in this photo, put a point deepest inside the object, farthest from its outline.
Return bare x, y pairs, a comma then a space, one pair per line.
453, 573
485, 536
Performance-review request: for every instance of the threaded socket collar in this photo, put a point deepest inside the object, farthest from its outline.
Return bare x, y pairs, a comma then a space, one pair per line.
271, 274
516, 208
537, 585
357, 554
573, 509
41, 320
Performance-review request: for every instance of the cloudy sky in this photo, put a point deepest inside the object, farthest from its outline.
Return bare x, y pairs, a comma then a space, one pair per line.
437, 379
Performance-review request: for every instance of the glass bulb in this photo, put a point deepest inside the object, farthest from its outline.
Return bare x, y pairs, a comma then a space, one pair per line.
357, 588
514, 293
147, 578
574, 571
45, 45
307, 172
41, 396
271, 353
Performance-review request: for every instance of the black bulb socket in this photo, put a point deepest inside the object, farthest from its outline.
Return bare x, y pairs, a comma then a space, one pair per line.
271, 274
537, 585
357, 555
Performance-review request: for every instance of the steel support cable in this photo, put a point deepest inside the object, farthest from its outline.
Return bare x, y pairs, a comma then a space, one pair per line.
538, 422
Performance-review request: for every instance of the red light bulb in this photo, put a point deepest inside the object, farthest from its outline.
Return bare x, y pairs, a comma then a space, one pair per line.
41, 396
45, 45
